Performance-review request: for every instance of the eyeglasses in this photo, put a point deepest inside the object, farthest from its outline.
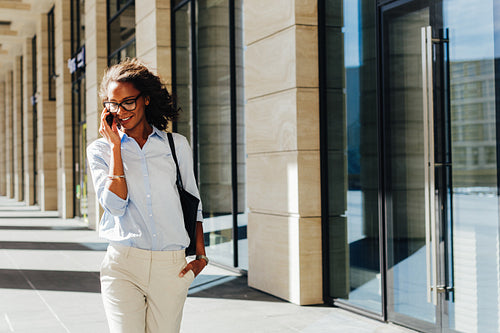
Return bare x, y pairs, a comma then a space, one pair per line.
127, 105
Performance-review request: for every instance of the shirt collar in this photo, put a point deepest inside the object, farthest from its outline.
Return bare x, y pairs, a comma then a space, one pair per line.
156, 132
159, 133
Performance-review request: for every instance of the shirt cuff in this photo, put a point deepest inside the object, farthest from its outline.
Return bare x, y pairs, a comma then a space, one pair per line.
200, 216
114, 204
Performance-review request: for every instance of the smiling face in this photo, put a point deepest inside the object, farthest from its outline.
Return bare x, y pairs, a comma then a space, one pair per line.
132, 122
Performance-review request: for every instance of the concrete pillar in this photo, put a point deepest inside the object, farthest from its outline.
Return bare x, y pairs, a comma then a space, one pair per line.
17, 130
9, 142
96, 63
28, 148
64, 124
3, 139
47, 154
283, 166
153, 42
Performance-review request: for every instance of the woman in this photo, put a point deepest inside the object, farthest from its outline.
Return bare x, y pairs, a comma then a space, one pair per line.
144, 275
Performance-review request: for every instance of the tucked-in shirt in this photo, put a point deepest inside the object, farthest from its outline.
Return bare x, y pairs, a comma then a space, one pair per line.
150, 217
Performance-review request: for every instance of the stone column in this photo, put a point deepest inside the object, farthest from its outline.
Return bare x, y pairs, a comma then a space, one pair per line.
96, 62
28, 133
9, 142
46, 108
153, 37
283, 166
3, 140
64, 123
17, 130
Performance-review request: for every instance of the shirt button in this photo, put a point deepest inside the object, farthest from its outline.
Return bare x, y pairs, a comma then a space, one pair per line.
154, 235
149, 196
150, 214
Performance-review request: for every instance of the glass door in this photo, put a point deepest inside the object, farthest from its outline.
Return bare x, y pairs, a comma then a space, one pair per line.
439, 116
416, 169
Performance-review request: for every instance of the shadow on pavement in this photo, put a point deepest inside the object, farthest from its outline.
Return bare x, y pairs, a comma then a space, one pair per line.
220, 287
50, 280
28, 228
56, 246
230, 287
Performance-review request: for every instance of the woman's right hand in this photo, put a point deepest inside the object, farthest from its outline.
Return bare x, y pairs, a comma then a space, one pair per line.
110, 133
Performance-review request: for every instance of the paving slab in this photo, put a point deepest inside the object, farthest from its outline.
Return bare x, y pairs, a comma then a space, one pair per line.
49, 282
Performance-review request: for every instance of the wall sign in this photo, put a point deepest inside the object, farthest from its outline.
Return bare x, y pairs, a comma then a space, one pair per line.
77, 62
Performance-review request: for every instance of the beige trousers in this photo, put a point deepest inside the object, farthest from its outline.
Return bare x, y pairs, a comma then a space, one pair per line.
142, 290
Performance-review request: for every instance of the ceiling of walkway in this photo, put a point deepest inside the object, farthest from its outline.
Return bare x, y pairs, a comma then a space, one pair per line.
18, 22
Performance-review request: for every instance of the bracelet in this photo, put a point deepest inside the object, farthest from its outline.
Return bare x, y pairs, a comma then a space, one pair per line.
116, 176
201, 256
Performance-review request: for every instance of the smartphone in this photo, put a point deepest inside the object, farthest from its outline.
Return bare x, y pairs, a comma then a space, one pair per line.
109, 119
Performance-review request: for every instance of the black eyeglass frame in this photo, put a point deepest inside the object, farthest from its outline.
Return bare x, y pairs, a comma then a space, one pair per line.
120, 105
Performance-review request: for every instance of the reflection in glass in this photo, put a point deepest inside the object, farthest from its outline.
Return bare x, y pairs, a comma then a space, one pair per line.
80, 142
112, 8
34, 124
79, 112
78, 25
183, 84
208, 124
405, 153
474, 155
126, 52
121, 36
240, 138
353, 153
176, 2
115, 5
51, 35
214, 127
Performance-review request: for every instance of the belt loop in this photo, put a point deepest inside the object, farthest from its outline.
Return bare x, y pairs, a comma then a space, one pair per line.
127, 252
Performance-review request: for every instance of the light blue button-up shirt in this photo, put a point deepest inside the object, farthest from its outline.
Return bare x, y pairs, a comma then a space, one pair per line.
150, 217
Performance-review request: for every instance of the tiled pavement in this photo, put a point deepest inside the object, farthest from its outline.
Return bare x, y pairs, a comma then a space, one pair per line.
49, 282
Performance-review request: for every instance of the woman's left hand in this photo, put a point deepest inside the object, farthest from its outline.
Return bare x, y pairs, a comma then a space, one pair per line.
196, 266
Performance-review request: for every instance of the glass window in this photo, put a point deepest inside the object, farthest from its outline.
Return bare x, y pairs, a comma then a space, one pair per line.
21, 119
114, 6
214, 126
350, 147
34, 124
183, 68
78, 25
52, 56
475, 168
208, 87
126, 52
240, 137
177, 2
78, 109
121, 32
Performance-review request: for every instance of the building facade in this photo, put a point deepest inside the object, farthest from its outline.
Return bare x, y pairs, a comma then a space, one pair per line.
346, 151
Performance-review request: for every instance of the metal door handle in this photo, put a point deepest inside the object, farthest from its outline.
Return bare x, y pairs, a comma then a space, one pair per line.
431, 243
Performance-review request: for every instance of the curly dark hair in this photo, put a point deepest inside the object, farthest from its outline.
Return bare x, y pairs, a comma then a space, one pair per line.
161, 105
